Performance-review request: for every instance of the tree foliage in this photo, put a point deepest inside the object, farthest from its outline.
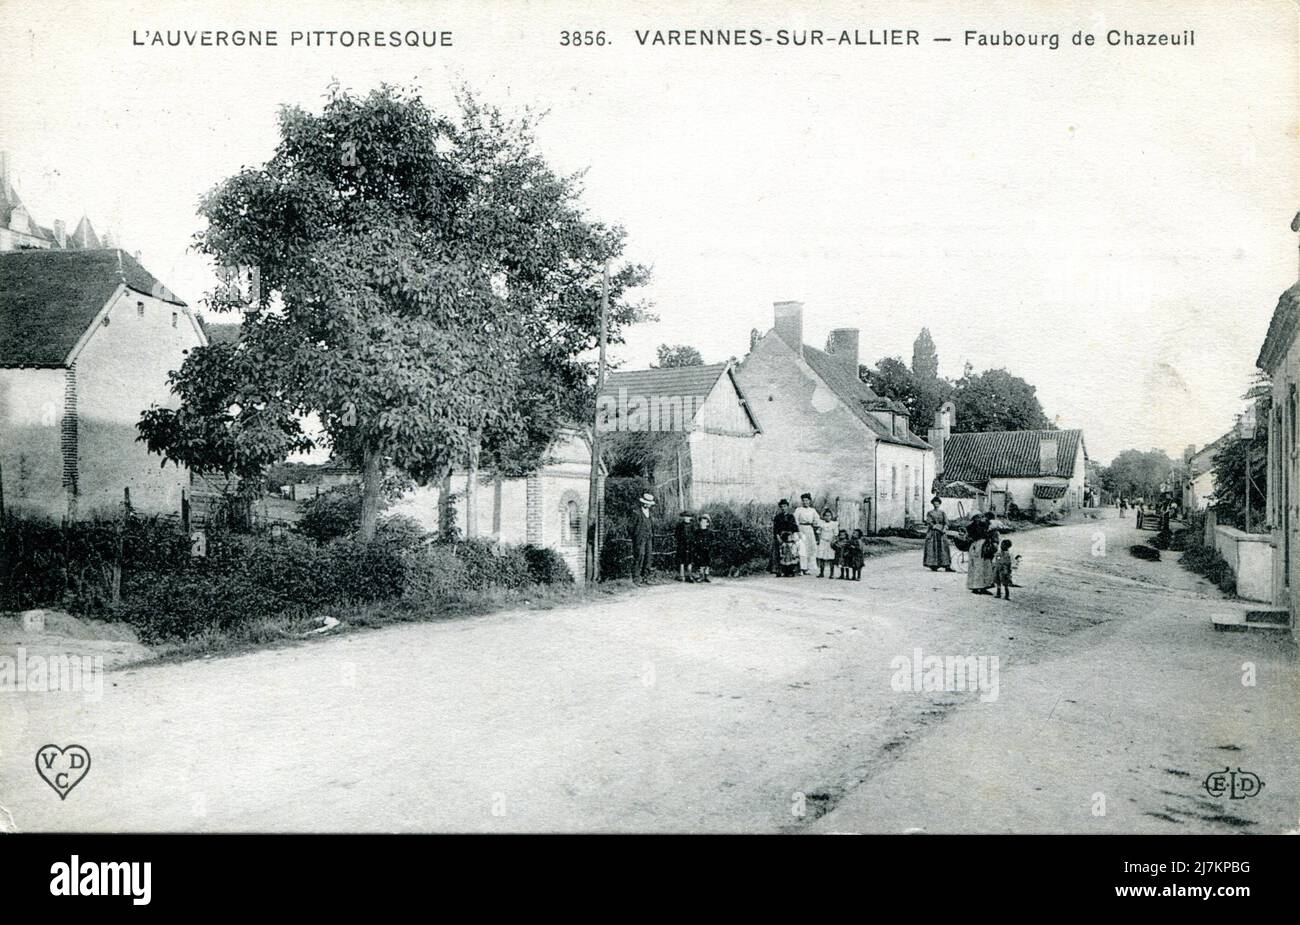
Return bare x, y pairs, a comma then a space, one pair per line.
996, 400
1230, 486
426, 285
672, 357
1137, 474
925, 357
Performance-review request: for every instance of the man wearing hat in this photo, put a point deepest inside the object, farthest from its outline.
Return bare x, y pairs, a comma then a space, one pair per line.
643, 540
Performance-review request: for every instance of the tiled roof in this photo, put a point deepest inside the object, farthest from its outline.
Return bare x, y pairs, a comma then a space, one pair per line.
1046, 492
671, 382
226, 332
858, 397
1282, 329
1008, 453
48, 298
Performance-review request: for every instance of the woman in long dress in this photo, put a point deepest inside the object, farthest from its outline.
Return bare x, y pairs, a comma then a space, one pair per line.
828, 530
979, 576
807, 518
937, 553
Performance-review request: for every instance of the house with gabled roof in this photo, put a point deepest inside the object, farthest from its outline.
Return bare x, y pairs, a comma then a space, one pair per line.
87, 340
689, 429
826, 432
1040, 470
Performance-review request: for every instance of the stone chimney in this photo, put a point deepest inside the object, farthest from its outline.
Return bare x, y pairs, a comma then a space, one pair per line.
788, 321
4, 172
944, 419
61, 232
1047, 456
844, 348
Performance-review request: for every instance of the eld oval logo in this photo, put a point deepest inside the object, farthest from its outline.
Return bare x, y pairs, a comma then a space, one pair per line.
1235, 785
62, 768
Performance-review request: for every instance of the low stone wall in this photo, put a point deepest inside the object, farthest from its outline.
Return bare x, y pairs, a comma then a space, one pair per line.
1250, 556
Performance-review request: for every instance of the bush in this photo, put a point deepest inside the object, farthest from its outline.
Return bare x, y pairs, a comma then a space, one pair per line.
546, 566
488, 564
1205, 560
331, 514
433, 574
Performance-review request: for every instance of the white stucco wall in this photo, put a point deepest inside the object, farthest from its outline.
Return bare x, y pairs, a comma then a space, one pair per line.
31, 459
913, 472
811, 441
121, 370
1284, 485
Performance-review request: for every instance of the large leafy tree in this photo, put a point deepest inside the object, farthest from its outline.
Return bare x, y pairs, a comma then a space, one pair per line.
672, 357
1137, 474
925, 357
426, 285
997, 400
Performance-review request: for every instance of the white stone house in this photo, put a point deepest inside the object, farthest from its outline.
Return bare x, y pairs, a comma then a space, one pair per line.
547, 508
87, 340
826, 432
1040, 470
1279, 358
689, 428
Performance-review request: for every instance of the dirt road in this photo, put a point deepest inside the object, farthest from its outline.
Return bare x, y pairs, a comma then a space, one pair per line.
759, 705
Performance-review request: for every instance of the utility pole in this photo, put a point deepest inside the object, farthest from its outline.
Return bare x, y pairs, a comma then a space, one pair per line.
593, 494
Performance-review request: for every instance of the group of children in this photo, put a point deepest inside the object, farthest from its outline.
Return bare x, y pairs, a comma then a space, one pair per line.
694, 548
849, 552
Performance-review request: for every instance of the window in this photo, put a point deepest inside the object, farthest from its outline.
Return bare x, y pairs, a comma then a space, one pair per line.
893, 481
174, 319
572, 527
139, 309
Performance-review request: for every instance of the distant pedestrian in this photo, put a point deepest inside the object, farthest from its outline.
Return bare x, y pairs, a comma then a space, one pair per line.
782, 523
1002, 570
702, 548
683, 534
643, 540
827, 531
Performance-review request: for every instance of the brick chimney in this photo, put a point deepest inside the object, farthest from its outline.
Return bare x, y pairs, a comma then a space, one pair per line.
61, 232
944, 419
1047, 456
788, 321
844, 348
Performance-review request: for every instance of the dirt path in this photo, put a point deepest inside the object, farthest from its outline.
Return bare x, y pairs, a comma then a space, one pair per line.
755, 705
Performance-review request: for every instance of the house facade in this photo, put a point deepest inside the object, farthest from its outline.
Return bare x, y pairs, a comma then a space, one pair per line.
1040, 470
87, 339
689, 429
1279, 358
548, 508
824, 430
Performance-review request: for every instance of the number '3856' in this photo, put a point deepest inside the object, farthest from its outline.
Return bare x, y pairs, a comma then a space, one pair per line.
583, 38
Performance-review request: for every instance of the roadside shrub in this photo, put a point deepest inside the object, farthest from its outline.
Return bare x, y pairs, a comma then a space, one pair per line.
1205, 560
546, 566
433, 573
741, 537
488, 563
331, 514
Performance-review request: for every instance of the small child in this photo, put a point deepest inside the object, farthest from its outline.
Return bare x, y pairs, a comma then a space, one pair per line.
702, 549
1002, 569
789, 555
841, 545
860, 556
683, 531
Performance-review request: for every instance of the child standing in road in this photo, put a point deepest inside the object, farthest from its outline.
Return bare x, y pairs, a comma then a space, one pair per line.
859, 553
790, 549
702, 549
683, 535
1002, 569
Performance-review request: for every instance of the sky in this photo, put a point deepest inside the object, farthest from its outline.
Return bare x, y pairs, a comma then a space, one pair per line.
1109, 223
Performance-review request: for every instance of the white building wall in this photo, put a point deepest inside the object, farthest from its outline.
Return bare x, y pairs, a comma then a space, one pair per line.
31, 458
122, 370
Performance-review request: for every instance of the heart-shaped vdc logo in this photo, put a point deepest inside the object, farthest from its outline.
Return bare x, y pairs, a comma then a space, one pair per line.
62, 768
